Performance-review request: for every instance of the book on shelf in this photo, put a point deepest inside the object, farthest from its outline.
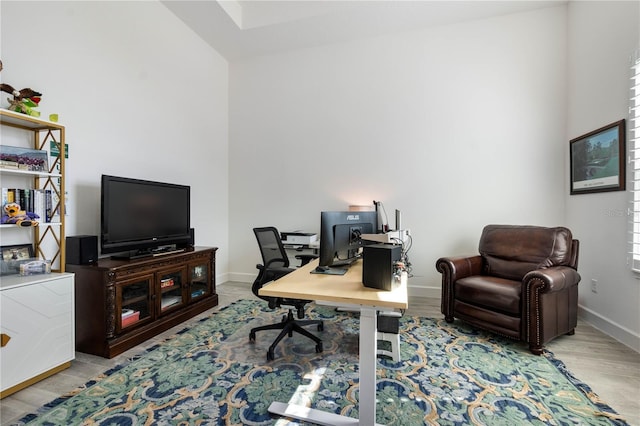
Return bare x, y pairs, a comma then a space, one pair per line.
128, 312
28, 200
168, 301
48, 199
130, 317
7, 196
39, 204
197, 293
8, 164
56, 207
167, 282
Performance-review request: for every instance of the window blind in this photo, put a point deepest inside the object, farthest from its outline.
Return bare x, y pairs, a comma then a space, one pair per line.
634, 161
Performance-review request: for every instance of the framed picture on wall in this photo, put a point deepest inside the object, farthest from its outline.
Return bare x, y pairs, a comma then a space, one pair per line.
597, 160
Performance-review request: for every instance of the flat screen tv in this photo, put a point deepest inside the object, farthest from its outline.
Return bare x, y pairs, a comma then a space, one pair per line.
141, 217
340, 232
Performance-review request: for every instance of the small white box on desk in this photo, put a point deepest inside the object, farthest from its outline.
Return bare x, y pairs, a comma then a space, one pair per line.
391, 237
302, 238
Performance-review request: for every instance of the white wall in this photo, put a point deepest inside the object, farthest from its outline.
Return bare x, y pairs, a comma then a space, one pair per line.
602, 38
457, 126
141, 95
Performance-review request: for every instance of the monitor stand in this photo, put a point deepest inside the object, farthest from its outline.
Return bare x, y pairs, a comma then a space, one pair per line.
328, 271
338, 267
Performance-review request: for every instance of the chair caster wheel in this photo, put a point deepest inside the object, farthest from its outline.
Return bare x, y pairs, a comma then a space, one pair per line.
321, 327
319, 347
252, 337
270, 355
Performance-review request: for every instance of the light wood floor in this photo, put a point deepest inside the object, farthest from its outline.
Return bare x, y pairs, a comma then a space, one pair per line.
611, 369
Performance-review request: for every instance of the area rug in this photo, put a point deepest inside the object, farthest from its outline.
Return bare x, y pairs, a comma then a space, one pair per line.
210, 374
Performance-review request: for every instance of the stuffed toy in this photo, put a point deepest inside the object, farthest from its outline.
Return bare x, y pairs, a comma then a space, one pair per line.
15, 215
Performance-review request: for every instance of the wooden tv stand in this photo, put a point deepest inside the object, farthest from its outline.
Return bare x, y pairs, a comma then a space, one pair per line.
121, 303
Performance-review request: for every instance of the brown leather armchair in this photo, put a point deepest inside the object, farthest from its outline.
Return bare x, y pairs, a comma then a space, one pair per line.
523, 285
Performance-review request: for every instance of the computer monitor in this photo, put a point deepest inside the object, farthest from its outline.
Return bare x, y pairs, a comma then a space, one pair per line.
340, 235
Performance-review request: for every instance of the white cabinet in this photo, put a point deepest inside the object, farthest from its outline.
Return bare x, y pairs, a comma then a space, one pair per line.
37, 328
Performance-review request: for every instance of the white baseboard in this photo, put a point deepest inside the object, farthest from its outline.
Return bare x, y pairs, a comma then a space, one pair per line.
223, 278
241, 277
622, 334
433, 292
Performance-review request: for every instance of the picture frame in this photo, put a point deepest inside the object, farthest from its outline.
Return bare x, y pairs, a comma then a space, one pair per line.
13, 256
16, 252
18, 158
597, 160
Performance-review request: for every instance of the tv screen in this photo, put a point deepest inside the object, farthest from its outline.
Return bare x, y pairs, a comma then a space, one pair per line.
340, 235
143, 215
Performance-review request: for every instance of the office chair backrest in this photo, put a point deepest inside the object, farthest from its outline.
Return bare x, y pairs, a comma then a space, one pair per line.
273, 253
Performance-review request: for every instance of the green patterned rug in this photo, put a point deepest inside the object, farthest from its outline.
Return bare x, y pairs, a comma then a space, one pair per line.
210, 374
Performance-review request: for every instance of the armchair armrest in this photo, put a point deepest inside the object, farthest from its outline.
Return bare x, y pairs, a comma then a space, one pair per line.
558, 285
452, 269
550, 280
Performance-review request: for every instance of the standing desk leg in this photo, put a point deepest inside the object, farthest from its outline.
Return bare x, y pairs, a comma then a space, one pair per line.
367, 367
367, 374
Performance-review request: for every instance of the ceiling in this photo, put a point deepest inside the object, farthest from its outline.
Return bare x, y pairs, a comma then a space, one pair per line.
240, 29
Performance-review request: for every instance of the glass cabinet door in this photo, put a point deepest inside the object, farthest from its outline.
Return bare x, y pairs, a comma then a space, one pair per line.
170, 289
133, 302
199, 280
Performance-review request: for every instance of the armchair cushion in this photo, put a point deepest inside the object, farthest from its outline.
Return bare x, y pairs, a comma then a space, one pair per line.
511, 252
495, 293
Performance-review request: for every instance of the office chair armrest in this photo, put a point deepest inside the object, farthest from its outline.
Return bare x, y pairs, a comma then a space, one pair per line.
279, 264
267, 274
306, 258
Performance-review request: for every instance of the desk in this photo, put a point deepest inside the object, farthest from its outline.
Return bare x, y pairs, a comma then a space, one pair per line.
344, 289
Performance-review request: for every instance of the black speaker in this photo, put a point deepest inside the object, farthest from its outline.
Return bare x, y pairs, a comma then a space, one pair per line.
82, 249
378, 265
192, 237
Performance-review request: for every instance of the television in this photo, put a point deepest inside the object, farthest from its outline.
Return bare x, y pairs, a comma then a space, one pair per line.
340, 232
143, 217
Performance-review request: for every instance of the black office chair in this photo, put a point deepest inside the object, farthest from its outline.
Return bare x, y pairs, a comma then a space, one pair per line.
276, 265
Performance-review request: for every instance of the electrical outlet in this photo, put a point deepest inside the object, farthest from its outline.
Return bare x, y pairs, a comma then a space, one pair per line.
594, 286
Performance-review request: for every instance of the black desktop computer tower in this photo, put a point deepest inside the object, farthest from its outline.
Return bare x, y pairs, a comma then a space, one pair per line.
378, 265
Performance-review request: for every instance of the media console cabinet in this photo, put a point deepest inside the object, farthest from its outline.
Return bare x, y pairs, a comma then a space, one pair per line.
121, 303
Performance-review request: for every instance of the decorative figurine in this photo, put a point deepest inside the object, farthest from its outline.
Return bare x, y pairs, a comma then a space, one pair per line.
24, 101
15, 215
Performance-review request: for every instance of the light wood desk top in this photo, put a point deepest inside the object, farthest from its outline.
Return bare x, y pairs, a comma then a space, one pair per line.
345, 289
